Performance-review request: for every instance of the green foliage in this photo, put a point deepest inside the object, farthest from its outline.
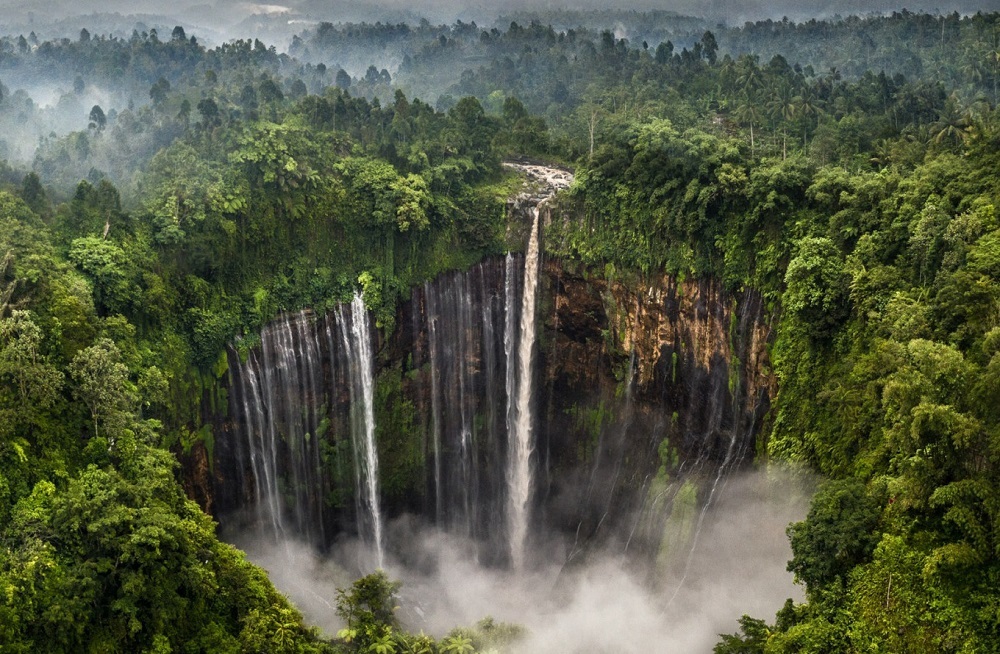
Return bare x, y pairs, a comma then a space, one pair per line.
368, 608
122, 561
752, 638
99, 548
401, 457
106, 265
839, 533
816, 286
102, 384
860, 204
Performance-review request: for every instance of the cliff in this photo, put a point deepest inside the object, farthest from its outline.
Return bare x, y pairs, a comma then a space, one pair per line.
641, 391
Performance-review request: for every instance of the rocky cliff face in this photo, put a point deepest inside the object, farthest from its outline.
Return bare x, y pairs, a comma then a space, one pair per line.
643, 393
646, 386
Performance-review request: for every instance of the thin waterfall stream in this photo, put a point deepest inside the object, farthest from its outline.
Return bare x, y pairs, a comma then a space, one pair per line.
356, 333
520, 439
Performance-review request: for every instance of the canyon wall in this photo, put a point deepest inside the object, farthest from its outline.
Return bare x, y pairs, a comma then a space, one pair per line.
635, 397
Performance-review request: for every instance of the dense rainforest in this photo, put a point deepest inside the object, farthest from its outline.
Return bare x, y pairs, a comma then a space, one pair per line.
854, 187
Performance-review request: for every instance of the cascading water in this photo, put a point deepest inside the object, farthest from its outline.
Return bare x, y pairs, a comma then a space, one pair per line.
519, 425
286, 395
604, 425
450, 329
581, 455
356, 334
275, 392
464, 390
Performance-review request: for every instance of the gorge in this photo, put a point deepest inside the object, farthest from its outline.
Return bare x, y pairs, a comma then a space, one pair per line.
547, 419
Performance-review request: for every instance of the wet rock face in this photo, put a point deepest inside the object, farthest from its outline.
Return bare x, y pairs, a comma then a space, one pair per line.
644, 382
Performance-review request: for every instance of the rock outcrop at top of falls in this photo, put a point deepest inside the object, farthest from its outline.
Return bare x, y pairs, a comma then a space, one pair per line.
629, 392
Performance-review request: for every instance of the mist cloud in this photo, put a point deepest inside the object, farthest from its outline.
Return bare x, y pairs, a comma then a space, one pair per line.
608, 605
220, 20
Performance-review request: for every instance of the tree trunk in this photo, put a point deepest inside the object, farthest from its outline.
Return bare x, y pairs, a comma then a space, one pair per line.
593, 127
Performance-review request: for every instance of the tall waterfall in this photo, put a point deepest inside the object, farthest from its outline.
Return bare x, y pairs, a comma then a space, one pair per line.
275, 393
471, 444
519, 417
356, 334
480, 332
286, 398
458, 314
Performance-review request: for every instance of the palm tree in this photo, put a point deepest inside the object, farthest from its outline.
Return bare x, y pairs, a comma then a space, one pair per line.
457, 644
953, 123
749, 112
750, 79
882, 152
808, 107
782, 110
993, 57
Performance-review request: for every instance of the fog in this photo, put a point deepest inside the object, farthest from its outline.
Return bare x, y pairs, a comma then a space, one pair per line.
48, 107
37, 108
736, 565
220, 20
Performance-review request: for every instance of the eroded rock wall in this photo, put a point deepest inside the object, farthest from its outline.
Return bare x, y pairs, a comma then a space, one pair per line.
645, 384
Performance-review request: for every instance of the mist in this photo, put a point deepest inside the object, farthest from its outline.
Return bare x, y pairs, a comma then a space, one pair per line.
276, 22
612, 603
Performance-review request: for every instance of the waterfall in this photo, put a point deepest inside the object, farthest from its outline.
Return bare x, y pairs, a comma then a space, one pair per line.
463, 389
299, 460
262, 454
436, 417
520, 419
305, 463
454, 359
356, 335
275, 397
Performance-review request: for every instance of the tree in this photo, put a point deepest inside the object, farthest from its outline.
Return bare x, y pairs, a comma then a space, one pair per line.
209, 111
816, 286
343, 80
749, 112
664, 52
248, 98
184, 114
752, 640
457, 643
297, 89
33, 194
178, 34
782, 110
31, 384
119, 560
158, 92
808, 108
270, 92
368, 608
839, 533
709, 48
97, 118
101, 382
